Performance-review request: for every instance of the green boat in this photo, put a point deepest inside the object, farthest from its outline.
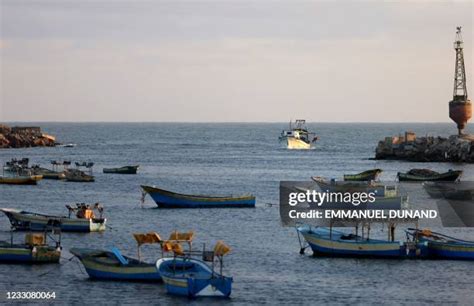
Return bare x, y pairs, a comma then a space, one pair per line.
122, 170
423, 175
369, 175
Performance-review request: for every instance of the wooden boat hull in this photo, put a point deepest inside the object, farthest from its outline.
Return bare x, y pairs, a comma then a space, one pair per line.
122, 170
200, 282
22, 220
449, 176
168, 199
451, 250
444, 247
26, 180
370, 175
351, 186
334, 244
105, 268
25, 254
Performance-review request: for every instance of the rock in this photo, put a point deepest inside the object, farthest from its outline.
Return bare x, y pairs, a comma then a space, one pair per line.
23, 137
427, 149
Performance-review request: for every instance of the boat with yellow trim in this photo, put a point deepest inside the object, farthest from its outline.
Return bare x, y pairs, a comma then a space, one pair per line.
21, 180
167, 199
112, 265
187, 276
441, 246
35, 249
330, 242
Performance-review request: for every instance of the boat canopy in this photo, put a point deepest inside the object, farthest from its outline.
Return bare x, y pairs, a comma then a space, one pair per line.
182, 236
221, 248
150, 238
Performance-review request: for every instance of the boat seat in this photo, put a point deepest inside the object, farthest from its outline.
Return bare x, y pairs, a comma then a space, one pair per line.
119, 256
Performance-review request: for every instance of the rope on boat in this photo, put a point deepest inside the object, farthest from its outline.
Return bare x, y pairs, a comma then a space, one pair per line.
80, 267
302, 247
142, 198
57, 267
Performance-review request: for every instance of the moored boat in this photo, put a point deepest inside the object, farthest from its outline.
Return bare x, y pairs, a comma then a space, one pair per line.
74, 175
85, 220
298, 136
422, 175
168, 199
47, 173
186, 276
112, 265
35, 250
379, 189
329, 242
21, 180
369, 175
441, 246
122, 170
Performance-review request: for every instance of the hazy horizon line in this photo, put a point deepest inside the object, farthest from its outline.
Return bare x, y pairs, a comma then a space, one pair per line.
232, 122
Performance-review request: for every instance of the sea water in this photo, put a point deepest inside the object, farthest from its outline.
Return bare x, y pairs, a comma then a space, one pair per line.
231, 158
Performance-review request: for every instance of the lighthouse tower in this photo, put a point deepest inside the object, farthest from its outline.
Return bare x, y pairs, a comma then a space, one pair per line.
460, 108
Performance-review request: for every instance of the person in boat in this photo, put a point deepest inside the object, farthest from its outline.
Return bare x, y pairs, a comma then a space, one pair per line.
85, 211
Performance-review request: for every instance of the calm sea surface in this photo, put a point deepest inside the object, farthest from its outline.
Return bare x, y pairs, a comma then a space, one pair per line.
222, 159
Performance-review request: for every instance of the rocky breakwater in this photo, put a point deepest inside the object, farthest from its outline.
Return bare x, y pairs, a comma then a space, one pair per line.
427, 149
23, 137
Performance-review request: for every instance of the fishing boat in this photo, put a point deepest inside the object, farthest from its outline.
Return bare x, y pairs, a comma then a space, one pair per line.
36, 248
441, 246
84, 220
112, 265
47, 173
21, 180
329, 242
75, 175
168, 199
186, 276
122, 170
379, 189
422, 175
298, 136
369, 175
16, 165
66, 145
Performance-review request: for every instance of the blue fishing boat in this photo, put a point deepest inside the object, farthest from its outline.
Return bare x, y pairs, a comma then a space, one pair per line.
168, 199
329, 242
186, 276
112, 265
85, 220
441, 246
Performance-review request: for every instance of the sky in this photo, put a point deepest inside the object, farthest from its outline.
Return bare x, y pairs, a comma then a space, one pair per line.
230, 61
